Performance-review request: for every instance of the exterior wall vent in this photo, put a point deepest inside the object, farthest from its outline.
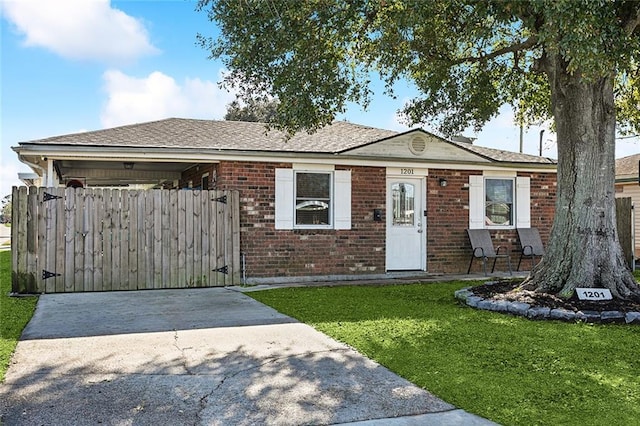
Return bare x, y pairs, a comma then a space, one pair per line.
418, 145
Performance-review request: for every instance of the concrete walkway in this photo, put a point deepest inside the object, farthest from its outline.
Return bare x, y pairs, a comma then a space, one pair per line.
198, 357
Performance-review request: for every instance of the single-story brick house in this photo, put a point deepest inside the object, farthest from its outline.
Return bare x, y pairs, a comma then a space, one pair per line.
346, 200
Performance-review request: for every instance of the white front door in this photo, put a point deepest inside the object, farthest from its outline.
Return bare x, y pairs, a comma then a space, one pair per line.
406, 230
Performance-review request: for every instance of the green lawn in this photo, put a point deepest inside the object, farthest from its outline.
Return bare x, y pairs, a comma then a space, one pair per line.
508, 369
15, 313
504, 368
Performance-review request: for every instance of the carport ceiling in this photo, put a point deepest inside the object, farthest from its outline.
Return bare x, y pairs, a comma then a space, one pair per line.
120, 173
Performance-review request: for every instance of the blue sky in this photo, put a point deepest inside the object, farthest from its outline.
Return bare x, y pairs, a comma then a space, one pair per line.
68, 66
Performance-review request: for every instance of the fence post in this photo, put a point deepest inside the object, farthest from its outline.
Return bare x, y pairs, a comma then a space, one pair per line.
23, 279
624, 224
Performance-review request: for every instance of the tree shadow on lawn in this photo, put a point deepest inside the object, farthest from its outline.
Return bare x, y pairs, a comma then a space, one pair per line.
507, 368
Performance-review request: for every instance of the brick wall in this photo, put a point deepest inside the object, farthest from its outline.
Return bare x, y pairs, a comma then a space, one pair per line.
195, 173
448, 248
361, 250
271, 253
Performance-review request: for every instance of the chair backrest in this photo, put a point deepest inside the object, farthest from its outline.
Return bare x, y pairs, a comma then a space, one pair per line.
480, 238
530, 240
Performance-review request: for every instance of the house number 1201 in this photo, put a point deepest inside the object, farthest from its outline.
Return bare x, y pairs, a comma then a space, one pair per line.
406, 171
593, 293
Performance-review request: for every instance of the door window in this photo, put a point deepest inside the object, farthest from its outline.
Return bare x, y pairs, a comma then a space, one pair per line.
403, 204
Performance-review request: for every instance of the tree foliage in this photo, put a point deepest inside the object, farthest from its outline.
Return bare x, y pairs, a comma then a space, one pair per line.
262, 111
5, 213
467, 58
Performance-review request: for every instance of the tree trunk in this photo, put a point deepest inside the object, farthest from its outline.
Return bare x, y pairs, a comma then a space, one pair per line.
583, 248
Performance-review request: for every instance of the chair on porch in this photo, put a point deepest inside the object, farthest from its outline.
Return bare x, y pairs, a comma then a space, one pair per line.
530, 245
482, 247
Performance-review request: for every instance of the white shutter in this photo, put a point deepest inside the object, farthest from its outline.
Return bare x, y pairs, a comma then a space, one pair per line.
476, 202
523, 202
284, 199
342, 199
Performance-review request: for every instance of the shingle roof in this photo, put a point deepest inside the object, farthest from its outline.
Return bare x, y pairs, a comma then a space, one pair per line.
504, 156
627, 166
223, 135
247, 136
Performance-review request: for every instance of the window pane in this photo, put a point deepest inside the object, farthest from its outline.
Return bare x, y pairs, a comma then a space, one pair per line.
312, 185
313, 198
499, 202
403, 196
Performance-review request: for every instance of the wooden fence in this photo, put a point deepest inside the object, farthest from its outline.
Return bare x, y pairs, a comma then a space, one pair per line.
624, 218
78, 240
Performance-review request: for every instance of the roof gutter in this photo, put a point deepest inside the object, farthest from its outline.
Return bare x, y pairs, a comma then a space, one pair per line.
175, 155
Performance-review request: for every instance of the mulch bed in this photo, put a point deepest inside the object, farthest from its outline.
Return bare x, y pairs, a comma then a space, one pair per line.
506, 290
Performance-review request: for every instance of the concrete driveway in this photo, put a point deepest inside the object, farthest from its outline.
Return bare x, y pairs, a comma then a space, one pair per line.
197, 357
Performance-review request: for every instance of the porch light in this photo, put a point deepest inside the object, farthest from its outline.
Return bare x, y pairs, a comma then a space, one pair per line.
128, 165
442, 181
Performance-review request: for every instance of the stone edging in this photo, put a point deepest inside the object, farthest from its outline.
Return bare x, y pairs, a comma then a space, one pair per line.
467, 297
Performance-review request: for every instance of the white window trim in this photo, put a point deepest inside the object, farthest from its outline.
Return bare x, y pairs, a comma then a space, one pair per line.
331, 200
522, 201
340, 216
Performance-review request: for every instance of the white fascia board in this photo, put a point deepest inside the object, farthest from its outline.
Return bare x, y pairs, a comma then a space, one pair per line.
215, 156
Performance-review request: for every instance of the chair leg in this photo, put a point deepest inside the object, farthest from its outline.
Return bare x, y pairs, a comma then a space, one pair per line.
494, 264
532, 262
519, 260
484, 265
470, 263
509, 263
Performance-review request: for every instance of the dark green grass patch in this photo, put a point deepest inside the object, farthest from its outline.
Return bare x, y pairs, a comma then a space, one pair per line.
15, 313
508, 369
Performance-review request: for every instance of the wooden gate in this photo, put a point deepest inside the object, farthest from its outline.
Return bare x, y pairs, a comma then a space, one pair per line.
77, 240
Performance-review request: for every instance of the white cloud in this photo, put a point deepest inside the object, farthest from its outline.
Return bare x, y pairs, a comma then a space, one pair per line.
158, 96
79, 29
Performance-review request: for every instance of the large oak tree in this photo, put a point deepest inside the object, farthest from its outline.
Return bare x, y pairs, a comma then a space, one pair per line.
574, 61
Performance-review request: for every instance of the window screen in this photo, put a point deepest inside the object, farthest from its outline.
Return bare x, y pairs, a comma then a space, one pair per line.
313, 198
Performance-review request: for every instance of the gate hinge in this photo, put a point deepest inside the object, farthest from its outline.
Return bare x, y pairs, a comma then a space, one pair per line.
46, 274
224, 269
222, 199
48, 197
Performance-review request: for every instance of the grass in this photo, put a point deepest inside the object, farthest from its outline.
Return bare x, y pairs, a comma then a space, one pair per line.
508, 369
15, 313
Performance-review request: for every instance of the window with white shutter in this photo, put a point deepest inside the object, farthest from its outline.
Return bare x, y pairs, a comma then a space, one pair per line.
312, 199
499, 202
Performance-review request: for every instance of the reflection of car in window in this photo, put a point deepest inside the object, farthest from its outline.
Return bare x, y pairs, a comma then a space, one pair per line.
498, 214
312, 212
312, 205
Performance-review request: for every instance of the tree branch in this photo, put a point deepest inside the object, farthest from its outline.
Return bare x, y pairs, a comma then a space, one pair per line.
527, 44
633, 23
